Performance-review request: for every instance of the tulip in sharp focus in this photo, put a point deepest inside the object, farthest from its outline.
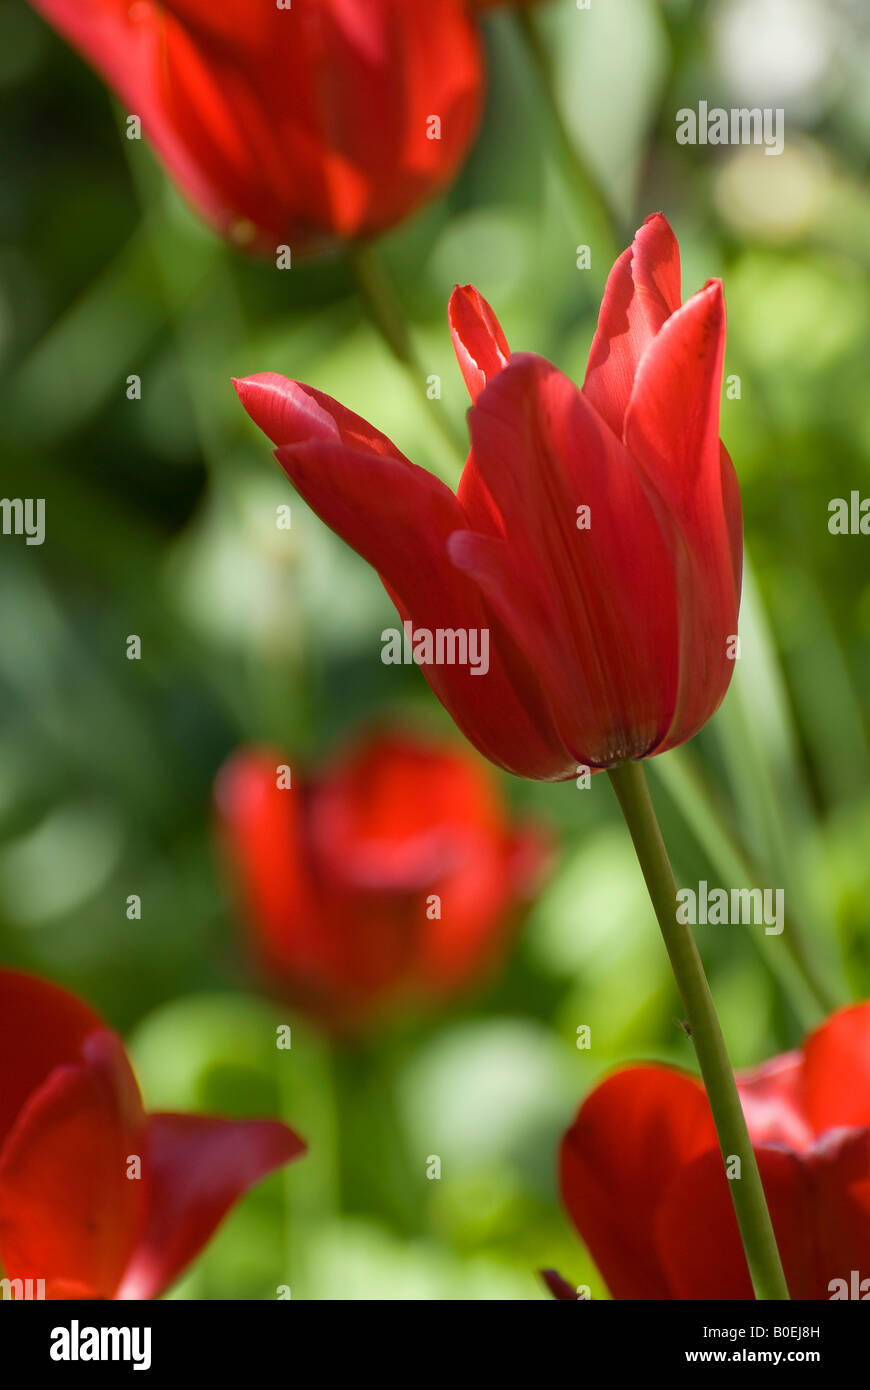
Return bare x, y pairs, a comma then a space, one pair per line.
388, 878
644, 1183
321, 122
72, 1212
596, 533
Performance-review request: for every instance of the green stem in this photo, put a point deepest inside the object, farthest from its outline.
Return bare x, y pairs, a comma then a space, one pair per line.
756, 1231
386, 315
607, 231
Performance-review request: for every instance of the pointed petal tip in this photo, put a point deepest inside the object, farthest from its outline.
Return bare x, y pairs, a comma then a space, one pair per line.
714, 288
559, 1287
467, 292
709, 300
251, 388
655, 231
478, 339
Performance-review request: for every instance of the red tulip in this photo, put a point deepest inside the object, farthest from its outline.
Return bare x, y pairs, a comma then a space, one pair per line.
385, 880
71, 1124
298, 126
644, 1183
609, 642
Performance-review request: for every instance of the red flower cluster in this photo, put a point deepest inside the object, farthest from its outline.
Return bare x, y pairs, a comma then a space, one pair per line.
76, 1210
596, 534
388, 878
644, 1183
325, 121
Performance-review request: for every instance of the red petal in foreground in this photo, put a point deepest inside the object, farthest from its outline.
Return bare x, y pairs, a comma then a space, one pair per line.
618, 1159
48, 1025
646, 1186
196, 1169
92, 1194
69, 1213
836, 1071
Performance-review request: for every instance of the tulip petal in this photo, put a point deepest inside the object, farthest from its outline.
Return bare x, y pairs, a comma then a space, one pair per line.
48, 1025
772, 1097
561, 1290
836, 1071
481, 351
672, 431
373, 827
69, 1213
399, 517
294, 862
266, 846
643, 290
478, 341
698, 1238
631, 1138
196, 1169
819, 1204
593, 608
404, 537
840, 1171
290, 413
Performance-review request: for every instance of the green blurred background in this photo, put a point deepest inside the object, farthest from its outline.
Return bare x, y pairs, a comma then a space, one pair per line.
161, 522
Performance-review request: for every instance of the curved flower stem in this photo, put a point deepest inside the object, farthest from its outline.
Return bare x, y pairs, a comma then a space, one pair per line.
387, 317
606, 223
756, 1231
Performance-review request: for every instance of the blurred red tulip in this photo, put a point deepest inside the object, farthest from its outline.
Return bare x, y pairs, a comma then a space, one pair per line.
387, 879
644, 1183
71, 1124
326, 121
596, 534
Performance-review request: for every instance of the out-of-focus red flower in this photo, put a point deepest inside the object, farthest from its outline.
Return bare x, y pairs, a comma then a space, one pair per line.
330, 120
386, 880
609, 626
644, 1182
71, 1126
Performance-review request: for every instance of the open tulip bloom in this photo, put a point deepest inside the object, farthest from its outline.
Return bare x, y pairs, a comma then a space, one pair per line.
596, 539
97, 1198
643, 1182
610, 626
391, 877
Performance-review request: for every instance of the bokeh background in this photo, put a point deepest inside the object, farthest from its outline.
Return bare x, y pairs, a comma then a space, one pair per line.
161, 522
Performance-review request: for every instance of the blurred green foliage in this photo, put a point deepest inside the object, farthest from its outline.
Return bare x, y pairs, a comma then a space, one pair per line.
160, 522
